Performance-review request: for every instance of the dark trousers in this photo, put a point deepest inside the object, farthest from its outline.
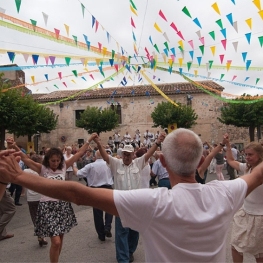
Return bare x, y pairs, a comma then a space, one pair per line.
102, 224
17, 189
231, 172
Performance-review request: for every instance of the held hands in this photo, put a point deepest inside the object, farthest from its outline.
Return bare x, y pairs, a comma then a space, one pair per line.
94, 137
226, 139
9, 167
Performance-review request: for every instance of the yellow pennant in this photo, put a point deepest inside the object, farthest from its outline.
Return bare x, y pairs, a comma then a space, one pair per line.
196, 72
181, 44
133, 10
73, 81
257, 4
213, 49
215, 6
157, 27
104, 51
67, 29
228, 64
249, 22
261, 13
33, 79
180, 60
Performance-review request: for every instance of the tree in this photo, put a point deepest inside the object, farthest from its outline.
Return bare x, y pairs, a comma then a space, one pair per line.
21, 115
166, 113
96, 120
243, 115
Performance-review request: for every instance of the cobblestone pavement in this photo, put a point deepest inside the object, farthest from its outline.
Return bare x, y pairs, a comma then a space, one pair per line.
80, 245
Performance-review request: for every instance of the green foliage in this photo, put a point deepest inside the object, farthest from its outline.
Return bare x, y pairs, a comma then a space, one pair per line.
166, 113
95, 120
243, 115
21, 115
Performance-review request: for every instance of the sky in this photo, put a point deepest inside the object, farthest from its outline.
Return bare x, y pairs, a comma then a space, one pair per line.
176, 32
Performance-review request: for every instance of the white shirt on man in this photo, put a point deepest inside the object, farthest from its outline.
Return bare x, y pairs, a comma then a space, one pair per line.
188, 223
97, 173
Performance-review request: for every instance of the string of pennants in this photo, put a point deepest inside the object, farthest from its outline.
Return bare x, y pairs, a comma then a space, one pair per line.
120, 59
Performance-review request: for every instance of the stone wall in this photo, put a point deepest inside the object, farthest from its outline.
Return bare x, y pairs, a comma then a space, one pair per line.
136, 114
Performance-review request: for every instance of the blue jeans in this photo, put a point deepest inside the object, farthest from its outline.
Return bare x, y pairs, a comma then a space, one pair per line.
126, 241
164, 183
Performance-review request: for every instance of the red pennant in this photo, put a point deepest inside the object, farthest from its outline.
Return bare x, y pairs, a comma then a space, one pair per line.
91, 76
57, 31
96, 26
146, 50
180, 35
162, 15
65, 84
60, 75
132, 23
100, 45
221, 58
174, 27
116, 67
224, 43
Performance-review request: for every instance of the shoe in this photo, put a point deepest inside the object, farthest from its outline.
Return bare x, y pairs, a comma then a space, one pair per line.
131, 258
7, 236
107, 233
42, 241
101, 238
18, 204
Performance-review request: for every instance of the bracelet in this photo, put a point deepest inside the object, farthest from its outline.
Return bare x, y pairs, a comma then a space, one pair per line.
3, 183
158, 144
221, 144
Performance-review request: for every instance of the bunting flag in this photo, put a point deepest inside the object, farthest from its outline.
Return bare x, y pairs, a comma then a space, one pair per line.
248, 37
52, 59
60, 75
230, 18
45, 17
57, 31
11, 56
35, 59
91, 76
185, 10
249, 22
64, 83
162, 15
191, 43
174, 27
212, 34
219, 22
196, 21
132, 23
75, 39
46, 76
93, 21
157, 28
215, 6
18, 4
133, 5
213, 49
83, 9
96, 26
67, 59
133, 10
260, 40
67, 29
33, 79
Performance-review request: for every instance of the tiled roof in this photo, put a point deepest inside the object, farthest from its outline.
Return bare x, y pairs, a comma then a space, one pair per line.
168, 89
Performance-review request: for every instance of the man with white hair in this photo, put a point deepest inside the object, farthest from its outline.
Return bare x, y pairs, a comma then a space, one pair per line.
188, 223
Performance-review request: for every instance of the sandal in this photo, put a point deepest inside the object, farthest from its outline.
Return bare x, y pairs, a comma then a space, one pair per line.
42, 241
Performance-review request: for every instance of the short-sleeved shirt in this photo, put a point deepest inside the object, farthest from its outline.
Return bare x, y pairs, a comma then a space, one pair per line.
188, 223
126, 177
159, 170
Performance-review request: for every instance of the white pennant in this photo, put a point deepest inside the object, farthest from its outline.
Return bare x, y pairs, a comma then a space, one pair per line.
45, 16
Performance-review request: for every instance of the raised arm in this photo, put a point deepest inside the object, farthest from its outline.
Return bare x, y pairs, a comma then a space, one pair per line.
202, 168
229, 157
103, 153
79, 154
157, 144
68, 191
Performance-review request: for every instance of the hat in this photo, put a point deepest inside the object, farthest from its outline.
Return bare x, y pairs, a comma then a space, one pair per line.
128, 148
108, 151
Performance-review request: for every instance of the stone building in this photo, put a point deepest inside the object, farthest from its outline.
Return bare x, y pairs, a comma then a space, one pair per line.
135, 105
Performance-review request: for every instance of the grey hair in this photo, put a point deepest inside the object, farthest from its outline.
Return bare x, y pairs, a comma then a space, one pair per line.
98, 155
182, 150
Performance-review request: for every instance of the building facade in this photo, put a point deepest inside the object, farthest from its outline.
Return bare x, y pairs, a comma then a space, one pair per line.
135, 105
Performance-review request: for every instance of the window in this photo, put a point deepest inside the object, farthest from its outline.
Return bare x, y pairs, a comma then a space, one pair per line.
77, 115
189, 100
117, 109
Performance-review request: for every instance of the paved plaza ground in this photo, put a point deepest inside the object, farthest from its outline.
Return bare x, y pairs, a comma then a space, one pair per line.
80, 245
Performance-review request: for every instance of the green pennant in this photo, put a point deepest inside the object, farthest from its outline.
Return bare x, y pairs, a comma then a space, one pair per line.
166, 45
189, 64
212, 34
257, 80
155, 46
75, 39
82, 8
67, 59
210, 63
219, 22
134, 68
133, 5
185, 10
222, 75
202, 48
181, 49
75, 73
112, 54
18, 4
56, 86
260, 40
34, 23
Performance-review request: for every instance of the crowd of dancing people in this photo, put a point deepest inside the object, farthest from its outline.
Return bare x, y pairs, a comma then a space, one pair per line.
138, 162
